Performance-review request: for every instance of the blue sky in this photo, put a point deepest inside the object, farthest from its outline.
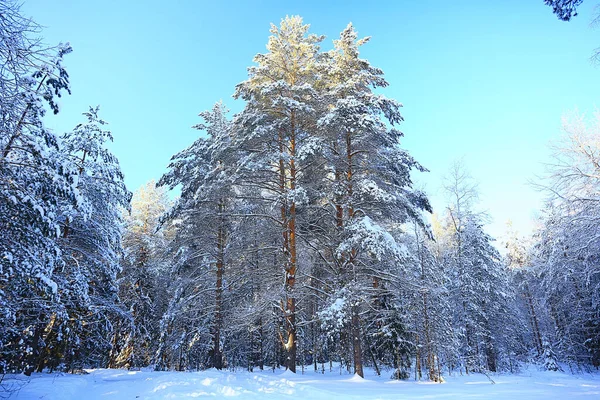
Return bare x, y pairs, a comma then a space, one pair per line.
484, 80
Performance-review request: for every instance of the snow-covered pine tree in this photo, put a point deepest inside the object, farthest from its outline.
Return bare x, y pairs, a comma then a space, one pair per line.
276, 127
35, 182
204, 234
549, 357
371, 192
91, 245
482, 297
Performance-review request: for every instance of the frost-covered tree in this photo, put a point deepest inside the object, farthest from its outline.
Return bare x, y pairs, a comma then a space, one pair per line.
144, 276
482, 298
371, 191
309, 180
276, 128
526, 285
430, 307
70, 326
549, 357
36, 181
205, 231
566, 250
91, 245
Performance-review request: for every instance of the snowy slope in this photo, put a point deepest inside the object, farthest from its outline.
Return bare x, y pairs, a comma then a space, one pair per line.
121, 384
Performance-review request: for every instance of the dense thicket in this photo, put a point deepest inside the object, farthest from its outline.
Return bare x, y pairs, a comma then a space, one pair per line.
298, 238
59, 220
301, 241
564, 261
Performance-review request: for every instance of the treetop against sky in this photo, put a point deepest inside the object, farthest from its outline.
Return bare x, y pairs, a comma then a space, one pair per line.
487, 81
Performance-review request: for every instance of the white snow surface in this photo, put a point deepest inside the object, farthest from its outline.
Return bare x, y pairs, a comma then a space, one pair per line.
122, 384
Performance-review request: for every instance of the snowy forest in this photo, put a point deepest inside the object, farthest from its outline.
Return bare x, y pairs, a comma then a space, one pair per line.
290, 234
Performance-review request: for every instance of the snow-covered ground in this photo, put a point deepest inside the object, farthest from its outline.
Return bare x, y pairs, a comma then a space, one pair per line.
121, 384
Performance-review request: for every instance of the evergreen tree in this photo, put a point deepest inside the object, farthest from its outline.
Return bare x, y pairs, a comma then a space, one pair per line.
204, 234
276, 128
550, 363
36, 181
372, 190
482, 298
92, 246
144, 276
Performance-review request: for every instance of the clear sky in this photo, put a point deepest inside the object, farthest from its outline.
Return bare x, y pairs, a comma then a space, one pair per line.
484, 80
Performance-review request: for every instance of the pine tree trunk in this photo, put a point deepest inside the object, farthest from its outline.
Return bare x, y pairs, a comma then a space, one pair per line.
261, 360
356, 343
291, 273
373, 359
314, 318
430, 355
468, 343
534, 320
217, 355
490, 354
355, 323
477, 356
339, 209
288, 307
289, 245
426, 325
418, 373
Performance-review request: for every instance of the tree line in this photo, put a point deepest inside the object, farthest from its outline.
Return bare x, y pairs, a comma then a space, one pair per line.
298, 238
